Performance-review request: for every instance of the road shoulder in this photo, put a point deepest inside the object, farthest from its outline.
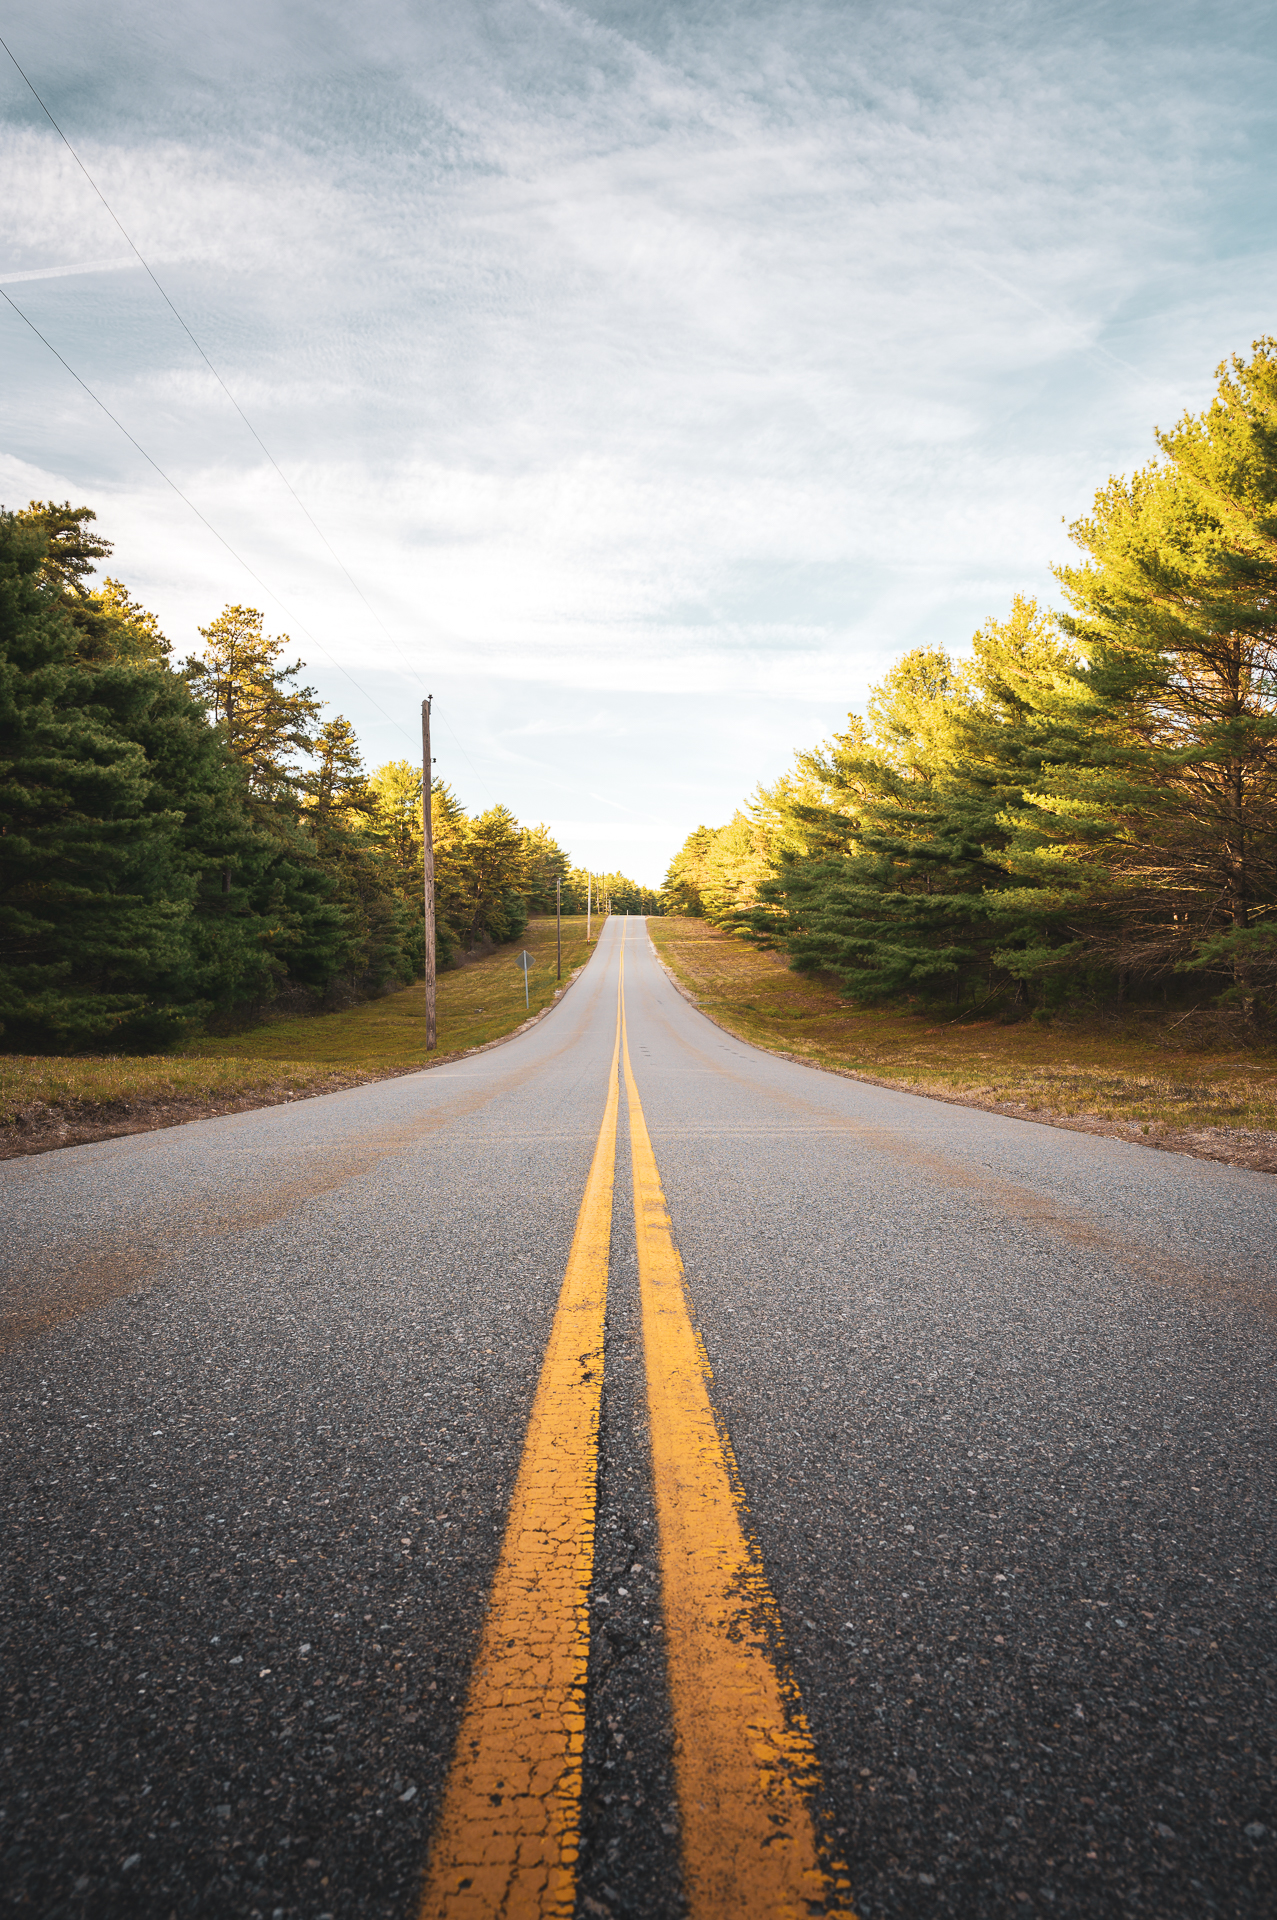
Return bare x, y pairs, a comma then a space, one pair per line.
42, 1126
1251, 1147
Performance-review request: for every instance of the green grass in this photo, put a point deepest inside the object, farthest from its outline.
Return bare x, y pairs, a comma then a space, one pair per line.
1139, 1075
476, 1003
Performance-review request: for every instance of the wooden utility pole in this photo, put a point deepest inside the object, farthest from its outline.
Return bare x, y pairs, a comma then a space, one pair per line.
558, 923
428, 869
589, 883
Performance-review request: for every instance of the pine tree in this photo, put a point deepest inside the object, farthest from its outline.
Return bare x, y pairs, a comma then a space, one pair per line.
395, 789
545, 865
69, 550
896, 876
901, 910
264, 718
1175, 612
396, 793
493, 875
93, 893
179, 847
449, 828
338, 794
681, 889
267, 725
386, 930
735, 862
109, 624
241, 918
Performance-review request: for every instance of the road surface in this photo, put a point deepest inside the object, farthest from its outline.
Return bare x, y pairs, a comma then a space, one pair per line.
394, 1529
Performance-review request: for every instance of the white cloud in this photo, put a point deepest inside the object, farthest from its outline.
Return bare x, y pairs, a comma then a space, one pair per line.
688, 355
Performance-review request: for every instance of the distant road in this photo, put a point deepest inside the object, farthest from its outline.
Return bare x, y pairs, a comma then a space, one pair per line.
625, 1472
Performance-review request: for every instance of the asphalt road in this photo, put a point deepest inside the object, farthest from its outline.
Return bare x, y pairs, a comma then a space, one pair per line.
1000, 1397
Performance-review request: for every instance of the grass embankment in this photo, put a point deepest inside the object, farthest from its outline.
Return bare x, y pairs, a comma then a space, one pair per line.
59, 1100
1144, 1078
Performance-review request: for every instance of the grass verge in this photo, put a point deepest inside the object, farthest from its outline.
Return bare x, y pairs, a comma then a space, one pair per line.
1134, 1080
48, 1101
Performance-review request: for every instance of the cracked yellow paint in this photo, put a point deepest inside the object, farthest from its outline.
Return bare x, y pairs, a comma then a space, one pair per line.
508, 1834
745, 1764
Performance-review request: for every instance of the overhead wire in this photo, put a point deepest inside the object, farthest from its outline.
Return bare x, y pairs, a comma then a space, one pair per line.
201, 517
199, 348
287, 483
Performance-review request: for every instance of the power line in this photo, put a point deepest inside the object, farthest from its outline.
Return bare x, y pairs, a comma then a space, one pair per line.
186, 329
202, 518
182, 323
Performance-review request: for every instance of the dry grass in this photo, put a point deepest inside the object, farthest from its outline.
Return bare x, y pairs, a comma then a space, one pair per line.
111, 1081
1139, 1079
57, 1101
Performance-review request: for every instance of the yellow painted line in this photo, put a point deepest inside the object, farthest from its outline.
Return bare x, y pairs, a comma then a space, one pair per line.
508, 1833
744, 1759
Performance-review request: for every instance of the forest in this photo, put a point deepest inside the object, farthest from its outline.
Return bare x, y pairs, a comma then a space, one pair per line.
1079, 810
192, 845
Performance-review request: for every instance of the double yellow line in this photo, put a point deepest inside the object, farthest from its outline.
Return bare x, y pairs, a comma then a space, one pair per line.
508, 1835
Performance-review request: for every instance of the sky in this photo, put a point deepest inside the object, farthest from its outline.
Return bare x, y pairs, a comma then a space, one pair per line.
650, 376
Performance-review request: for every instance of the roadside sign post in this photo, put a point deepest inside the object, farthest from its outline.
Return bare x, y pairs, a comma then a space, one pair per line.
558, 924
524, 961
589, 883
428, 869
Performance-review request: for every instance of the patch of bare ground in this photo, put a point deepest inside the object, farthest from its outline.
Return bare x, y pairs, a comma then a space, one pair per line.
40, 1126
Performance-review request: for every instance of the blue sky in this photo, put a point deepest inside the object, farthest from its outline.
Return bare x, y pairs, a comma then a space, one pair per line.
660, 373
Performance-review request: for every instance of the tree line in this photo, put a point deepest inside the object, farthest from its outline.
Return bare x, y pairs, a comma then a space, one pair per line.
1085, 805
193, 843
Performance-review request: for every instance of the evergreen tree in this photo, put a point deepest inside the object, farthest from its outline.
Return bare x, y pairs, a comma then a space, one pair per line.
120, 628
93, 891
266, 723
265, 720
109, 624
243, 913
899, 910
69, 549
449, 828
183, 846
493, 876
395, 789
731, 867
921, 896
1091, 797
337, 787
682, 887
1175, 612
385, 930
545, 864
623, 895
